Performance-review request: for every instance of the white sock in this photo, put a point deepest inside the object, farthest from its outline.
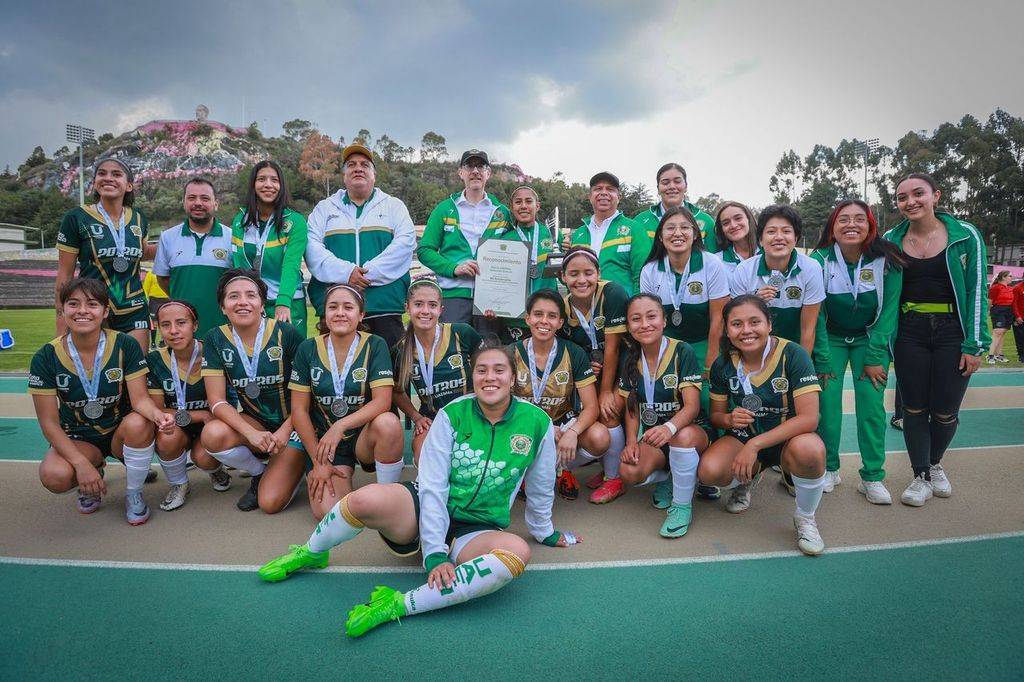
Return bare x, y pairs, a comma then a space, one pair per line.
684, 463
657, 476
174, 469
389, 472
136, 461
808, 494
337, 526
610, 460
582, 457
475, 578
242, 458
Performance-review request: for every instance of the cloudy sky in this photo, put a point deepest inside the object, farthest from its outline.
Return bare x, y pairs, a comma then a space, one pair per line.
722, 87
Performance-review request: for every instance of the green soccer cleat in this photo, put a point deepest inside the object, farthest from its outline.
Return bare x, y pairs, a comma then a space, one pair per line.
661, 498
677, 522
297, 558
386, 604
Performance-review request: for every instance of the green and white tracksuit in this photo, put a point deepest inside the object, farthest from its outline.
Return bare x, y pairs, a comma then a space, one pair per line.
281, 267
855, 295
730, 259
537, 238
194, 263
966, 262
444, 246
622, 247
471, 470
652, 216
377, 235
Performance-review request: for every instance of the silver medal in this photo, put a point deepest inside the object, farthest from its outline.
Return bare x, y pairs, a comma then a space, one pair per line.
182, 418
677, 318
751, 403
93, 409
776, 280
648, 416
252, 391
339, 408
121, 264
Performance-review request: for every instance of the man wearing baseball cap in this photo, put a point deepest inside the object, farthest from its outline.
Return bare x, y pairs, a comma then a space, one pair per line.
450, 239
364, 237
621, 244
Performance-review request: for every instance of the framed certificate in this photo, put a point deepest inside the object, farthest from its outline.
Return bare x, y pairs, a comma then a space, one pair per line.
503, 281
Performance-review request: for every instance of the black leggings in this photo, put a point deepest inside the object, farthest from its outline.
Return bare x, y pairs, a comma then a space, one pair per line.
926, 357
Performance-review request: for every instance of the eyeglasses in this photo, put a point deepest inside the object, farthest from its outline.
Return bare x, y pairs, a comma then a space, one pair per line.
476, 166
846, 220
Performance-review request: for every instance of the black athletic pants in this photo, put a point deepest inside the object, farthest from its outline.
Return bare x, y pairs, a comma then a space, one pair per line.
1018, 340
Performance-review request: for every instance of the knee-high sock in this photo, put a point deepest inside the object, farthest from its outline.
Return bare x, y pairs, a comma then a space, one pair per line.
475, 578
337, 526
389, 472
808, 494
684, 463
657, 476
242, 458
582, 457
610, 460
174, 469
136, 461
942, 433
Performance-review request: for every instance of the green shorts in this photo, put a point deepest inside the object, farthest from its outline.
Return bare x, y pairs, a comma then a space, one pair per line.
130, 321
459, 532
769, 457
344, 454
100, 442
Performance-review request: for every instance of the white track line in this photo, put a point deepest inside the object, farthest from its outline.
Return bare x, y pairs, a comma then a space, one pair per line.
639, 563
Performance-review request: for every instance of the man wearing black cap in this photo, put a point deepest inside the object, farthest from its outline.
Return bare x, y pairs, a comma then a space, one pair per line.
450, 239
621, 244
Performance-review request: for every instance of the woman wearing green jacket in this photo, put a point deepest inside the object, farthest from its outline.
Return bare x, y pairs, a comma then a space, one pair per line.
941, 333
270, 238
860, 318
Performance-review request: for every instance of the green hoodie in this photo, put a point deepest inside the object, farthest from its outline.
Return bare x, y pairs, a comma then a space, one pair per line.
652, 216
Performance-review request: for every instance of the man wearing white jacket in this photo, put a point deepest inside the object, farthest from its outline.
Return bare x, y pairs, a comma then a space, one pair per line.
363, 237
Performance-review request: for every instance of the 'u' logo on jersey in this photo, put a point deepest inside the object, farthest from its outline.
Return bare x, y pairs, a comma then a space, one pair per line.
315, 373
227, 354
63, 381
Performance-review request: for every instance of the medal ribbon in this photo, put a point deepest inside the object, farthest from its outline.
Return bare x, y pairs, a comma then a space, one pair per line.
250, 364
261, 242
648, 378
677, 292
116, 233
588, 325
338, 378
91, 386
841, 262
744, 376
427, 368
538, 389
533, 250
179, 385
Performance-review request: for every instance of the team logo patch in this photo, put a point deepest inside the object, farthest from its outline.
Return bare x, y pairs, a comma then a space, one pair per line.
274, 352
695, 288
63, 381
599, 321
521, 378
670, 380
359, 374
545, 243
168, 385
96, 230
780, 384
734, 384
516, 333
136, 230
287, 225
963, 260
227, 354
623, 230
867, 275
520, 444
455, 361
114, 375
315, 373
793, 293
562, 377
220, 254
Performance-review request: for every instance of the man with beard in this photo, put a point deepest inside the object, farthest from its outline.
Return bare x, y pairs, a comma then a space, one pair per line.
192, 256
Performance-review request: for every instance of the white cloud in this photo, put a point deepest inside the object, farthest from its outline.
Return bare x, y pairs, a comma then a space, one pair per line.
133, 114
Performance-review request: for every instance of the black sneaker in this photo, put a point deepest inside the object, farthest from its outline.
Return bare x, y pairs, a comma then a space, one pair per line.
896, 423
250, 499
151, 476
786, 481
708, 492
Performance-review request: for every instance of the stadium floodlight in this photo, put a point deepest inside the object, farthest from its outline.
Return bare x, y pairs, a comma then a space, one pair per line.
865, 149
80, 135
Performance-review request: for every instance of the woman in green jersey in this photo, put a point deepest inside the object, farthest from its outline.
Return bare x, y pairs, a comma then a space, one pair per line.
270, 238
341, 386
432, 358
253, 355
88, 388
557, 377
479, 451
734, 232
666, 429
862, 296
175, 381
107, 240
764, 393
671, 184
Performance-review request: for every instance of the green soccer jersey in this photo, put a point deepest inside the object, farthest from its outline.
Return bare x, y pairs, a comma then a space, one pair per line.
273, 369
787, 373
84, 233
652, 216
452, 377
677, 370
311, 373
609, 316
622, 252
160, 381
570, 371
53, 372
194, 262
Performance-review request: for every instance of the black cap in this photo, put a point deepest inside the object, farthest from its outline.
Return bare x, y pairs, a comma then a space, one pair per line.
605, 176
474, 154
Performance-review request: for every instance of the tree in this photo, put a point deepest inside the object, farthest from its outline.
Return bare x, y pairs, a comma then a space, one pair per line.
432, 147
319, 161
297, 129
363, 138
35, 159
709, 204
388, 149
253, 132
783, 183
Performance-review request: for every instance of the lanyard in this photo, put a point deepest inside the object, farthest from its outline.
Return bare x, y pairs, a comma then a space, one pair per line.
250, 364
588, 325
339, 377
116, 233
648, 379
744, 376
179, 385
676, 292
427, 368
841, 261
91, 386
261, 242
533, 250
538, 389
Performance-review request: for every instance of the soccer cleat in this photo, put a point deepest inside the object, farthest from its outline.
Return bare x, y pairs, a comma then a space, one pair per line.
1001, 358
940, 482
786, 481
739, 499
250, 500
175, 497
661, 498
567, 486
221, 480
595, 481
808, 539
135, 508
87, 504
831, 481
990, 359
917, 493
875, 491
708, 492
609, 489
896, 423
297, 558
386, 604
678, 521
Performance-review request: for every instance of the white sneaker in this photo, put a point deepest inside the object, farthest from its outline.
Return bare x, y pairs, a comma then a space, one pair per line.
875, 491
175, 497
739, 498
808, 539
917, 493
831, 481
990, 359
940, 482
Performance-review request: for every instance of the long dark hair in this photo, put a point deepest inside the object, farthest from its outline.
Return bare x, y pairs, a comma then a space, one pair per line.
405, 349
724, 344
252, 210
658, 250
750, 239
873, 246
631, 368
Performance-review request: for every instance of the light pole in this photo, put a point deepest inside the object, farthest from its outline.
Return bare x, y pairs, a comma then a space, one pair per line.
80, 135
864, 149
